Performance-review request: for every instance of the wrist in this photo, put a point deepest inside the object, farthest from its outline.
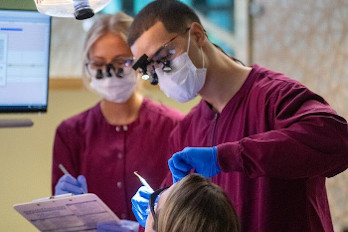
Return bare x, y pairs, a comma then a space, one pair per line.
215, 159
229, 157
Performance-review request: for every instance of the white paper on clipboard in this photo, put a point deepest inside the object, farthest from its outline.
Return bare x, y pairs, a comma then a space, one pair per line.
70, 213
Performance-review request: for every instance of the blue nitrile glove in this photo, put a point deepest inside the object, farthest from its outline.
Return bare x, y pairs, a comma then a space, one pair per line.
202, 159
69, 184
126, 226
140, 204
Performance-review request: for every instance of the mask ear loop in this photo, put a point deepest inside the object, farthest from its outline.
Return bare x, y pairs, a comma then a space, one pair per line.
202, 55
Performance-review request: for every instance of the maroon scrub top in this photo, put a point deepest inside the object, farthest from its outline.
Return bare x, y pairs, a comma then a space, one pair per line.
277, 142
108, 155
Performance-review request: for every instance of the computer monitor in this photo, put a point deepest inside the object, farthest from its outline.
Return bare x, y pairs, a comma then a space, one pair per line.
24, 61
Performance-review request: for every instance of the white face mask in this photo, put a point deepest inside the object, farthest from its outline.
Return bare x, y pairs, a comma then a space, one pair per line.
185, 80
116, 89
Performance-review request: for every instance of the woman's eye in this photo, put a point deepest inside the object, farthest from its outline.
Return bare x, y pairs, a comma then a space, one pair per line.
97, 65
128, 63
118, 62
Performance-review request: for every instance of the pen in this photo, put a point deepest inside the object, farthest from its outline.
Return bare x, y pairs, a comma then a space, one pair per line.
142, 180
61, 167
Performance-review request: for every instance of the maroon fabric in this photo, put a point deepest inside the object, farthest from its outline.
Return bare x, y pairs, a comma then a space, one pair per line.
108, 155
277, 141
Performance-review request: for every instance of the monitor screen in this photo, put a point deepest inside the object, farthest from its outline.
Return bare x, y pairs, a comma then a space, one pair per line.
24, 60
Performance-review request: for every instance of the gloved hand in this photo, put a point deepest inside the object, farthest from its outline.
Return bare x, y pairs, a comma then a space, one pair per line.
202, 159
69, 184
140, 204
126, 226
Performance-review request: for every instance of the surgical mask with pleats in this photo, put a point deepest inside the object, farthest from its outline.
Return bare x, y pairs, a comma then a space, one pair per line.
116, 89
185, 80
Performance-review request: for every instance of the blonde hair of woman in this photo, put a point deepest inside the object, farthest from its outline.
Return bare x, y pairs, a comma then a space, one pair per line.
196, 204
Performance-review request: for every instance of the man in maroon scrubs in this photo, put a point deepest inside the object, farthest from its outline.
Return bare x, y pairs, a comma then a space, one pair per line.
267, 140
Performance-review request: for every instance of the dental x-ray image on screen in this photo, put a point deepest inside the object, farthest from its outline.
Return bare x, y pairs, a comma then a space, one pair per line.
24, 61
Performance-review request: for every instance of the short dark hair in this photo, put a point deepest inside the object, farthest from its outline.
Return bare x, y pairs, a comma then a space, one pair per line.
175, 16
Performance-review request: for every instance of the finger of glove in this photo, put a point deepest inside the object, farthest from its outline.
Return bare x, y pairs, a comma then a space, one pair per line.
139, 216
59, 191
108, 226
141, 199
198, 157
112, 229
177, 174
145, 192
70, 188
67, 184
83, 183
131, 225
180, 162
206, 163
67, 178
140, 205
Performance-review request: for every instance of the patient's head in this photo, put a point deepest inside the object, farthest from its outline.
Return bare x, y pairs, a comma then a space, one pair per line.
193, 204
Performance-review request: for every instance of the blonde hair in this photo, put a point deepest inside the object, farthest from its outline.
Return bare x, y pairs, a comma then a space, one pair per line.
117, 24
196, 204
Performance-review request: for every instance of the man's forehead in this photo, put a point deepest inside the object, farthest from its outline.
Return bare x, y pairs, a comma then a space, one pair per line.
151, 40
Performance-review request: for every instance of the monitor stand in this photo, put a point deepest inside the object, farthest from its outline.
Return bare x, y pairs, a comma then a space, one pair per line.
23, 122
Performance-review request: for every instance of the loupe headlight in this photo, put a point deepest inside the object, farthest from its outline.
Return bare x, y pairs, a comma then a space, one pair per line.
142, 63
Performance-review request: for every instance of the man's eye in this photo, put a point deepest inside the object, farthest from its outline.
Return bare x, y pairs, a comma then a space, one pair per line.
160, 60
168, 56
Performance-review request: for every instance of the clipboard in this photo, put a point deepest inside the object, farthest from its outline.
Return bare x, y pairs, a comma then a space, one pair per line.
67, 212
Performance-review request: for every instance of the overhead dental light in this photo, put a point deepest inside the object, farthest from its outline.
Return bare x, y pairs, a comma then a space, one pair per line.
80, 9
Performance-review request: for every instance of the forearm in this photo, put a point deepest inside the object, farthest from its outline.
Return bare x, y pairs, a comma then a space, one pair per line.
317, 146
